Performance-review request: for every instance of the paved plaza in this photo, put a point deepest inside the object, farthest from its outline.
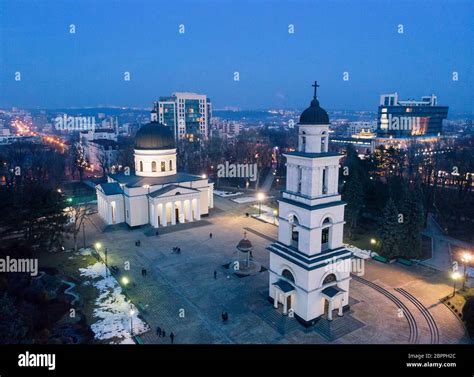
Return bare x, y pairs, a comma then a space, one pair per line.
180, 294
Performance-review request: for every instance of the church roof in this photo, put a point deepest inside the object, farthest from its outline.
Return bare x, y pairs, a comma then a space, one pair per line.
314, 114
133, 180
153, 136
112, 188
169, 188
284, 286
332, 291
244, 245
312, 155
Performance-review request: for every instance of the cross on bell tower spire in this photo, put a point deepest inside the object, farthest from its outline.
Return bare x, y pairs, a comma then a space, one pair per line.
315, 86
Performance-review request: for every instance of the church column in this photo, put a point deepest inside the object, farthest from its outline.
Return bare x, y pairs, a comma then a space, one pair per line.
198, 208
275, 298
319, 187
339, 313
173, 213
330, 307
163, 214
285, 305
190, 210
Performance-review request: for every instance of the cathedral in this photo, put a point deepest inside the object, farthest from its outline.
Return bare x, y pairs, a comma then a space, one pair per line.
309, 265
156, 194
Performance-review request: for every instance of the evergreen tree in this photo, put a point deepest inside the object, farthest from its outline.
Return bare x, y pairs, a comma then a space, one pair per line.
413, 223
390, 231
353, 195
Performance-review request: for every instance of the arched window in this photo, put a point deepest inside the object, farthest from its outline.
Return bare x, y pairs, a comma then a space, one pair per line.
294, 232
141, 165
324, 139
163, 166
325, 234
171, 164
153, 166
288, 275
329, 279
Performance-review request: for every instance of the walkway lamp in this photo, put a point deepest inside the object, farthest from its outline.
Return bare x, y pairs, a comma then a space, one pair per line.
132, 312
455, 276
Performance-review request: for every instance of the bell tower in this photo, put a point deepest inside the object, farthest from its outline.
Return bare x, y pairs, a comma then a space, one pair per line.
303, 273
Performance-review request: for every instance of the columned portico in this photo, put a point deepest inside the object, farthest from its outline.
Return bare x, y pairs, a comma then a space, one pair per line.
173, 205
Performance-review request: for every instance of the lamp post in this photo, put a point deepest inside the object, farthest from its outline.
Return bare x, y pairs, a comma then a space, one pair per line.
260, 197
275, 213
148, 201
465, 259
106, 267
455, 276
132, 312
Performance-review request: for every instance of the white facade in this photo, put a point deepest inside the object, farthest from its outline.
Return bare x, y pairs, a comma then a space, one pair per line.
156, 194
309, 265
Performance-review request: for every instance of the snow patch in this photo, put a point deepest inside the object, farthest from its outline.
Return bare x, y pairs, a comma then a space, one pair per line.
112, 308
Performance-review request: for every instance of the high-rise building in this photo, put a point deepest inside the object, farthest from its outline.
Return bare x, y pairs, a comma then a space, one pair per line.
187, 114
407, 118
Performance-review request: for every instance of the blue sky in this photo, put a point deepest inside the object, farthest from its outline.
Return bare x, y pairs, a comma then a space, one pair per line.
59, 69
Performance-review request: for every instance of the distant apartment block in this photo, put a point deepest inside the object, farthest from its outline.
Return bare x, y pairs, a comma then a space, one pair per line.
187, 114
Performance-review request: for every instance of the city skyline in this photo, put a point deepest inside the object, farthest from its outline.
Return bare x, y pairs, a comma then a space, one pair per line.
222, 39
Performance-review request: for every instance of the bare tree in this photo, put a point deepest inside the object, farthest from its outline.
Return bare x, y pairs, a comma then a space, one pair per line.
78, 215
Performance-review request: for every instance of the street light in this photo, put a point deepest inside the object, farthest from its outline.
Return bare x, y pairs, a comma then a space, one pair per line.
106, 268
132, 312
455, 276
373, 241
260, 197
466, 259
275, 213
148, 201
125, 281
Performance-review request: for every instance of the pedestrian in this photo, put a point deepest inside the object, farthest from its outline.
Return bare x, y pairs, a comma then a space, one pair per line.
223, 316
143, 272
158, 331
179, 250
215, 274
172, 337
210, 235
163, 333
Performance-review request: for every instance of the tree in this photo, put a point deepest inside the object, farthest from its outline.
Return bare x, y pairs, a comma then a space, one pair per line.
413, 222
77, 215
33, 213
80, 162
13, 327
468, 315
353, 194
390, 231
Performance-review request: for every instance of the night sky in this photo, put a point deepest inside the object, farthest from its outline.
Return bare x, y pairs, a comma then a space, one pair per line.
59, 69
